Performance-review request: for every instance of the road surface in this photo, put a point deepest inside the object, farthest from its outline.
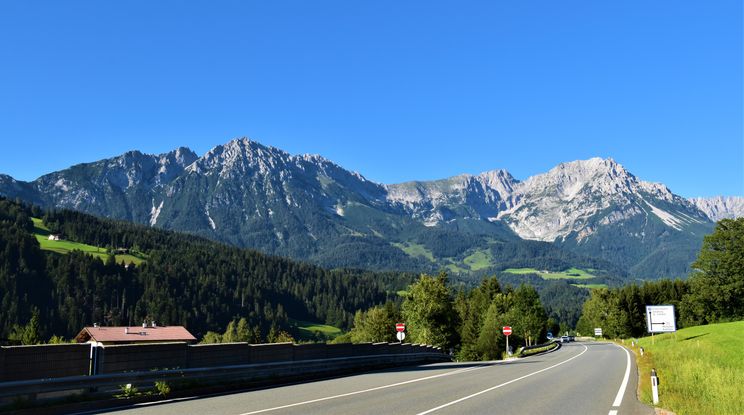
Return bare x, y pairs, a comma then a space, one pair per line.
580, 378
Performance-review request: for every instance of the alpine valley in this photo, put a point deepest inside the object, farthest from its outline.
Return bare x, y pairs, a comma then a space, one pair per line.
592, 214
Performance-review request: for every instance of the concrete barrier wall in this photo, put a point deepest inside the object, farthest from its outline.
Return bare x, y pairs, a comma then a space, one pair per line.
310, 351
225, 354
44, 361
51, 361
142, 357
340, 350
275, 352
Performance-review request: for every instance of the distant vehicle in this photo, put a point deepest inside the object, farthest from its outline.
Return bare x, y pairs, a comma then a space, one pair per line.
564, 339
571, 338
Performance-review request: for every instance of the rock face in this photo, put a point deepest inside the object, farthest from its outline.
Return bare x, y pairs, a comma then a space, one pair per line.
548, 207
720, 207
307, 207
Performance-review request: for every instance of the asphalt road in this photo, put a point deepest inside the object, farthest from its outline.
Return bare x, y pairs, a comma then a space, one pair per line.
580, 378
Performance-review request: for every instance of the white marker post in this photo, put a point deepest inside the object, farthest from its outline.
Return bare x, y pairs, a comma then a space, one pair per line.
655, 386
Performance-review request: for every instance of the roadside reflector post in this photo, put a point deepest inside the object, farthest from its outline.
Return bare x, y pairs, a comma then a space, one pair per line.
641, 351
655, 386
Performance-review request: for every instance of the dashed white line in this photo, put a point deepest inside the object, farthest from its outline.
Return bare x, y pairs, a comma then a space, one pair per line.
500, 385
455, 372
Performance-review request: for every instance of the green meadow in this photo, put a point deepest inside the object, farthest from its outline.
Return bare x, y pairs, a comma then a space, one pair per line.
308, 330
479, 260
415, 250
41, 233
590, 286
700, 369
571, 273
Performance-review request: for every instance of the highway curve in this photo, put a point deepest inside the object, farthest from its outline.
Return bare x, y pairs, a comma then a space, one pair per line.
580, 378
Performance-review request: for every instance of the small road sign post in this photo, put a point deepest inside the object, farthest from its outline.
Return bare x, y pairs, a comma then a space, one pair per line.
400, 328
598, 332
507, 330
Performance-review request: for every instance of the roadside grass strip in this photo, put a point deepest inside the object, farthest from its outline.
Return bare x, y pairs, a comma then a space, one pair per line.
700, 369
530, 352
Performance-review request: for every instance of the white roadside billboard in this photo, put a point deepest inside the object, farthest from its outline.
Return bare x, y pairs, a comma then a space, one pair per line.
660, 319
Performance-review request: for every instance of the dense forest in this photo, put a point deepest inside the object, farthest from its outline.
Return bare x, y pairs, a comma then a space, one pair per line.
185, 280
467, 322
713, 293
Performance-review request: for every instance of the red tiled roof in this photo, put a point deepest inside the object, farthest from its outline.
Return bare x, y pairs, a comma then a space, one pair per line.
136, 334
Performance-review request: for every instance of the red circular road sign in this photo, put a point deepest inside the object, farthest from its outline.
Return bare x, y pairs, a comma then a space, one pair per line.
507, 330
400, 326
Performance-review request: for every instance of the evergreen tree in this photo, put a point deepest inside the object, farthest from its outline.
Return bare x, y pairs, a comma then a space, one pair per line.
243, 331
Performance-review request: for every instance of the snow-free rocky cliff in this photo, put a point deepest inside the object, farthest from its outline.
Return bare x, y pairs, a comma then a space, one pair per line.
721, 207
308, 207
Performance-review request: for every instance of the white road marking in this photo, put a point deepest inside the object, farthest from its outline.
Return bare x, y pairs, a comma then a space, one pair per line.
624, 385
612, 412
455, 372
503, 384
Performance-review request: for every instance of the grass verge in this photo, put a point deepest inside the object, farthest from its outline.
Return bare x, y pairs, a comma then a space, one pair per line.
530, 352
700, 369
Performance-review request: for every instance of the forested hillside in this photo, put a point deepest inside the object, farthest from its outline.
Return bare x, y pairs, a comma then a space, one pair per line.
714, 292
184, 281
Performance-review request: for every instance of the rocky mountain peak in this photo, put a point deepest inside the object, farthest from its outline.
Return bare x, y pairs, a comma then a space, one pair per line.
720, 207
499, 180
239, 157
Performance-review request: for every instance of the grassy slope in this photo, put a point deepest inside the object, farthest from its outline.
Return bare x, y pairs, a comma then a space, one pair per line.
479, 260
307, 329
415, 250
41, 233
701, 369
590, 286
571, 273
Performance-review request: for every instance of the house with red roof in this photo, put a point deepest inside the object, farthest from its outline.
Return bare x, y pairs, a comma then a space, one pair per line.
134, 334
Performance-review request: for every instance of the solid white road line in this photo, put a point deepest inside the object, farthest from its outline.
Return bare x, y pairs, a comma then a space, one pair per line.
455, 372
624, 385
498, 386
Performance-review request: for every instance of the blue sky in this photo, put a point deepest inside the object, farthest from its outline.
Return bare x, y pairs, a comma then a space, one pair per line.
395, 90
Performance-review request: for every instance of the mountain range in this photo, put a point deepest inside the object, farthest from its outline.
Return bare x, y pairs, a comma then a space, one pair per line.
592, 213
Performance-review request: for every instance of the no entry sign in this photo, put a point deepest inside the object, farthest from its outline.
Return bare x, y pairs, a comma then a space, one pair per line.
400, 326
506, 330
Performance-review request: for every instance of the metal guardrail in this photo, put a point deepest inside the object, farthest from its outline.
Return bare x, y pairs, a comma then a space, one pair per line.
249, 372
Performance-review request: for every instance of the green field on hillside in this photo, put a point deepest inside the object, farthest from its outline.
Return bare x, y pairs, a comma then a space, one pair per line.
455, 269
308, 330
701, 369
569, 274
415, 250
479, 260
590, 286
41, 233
